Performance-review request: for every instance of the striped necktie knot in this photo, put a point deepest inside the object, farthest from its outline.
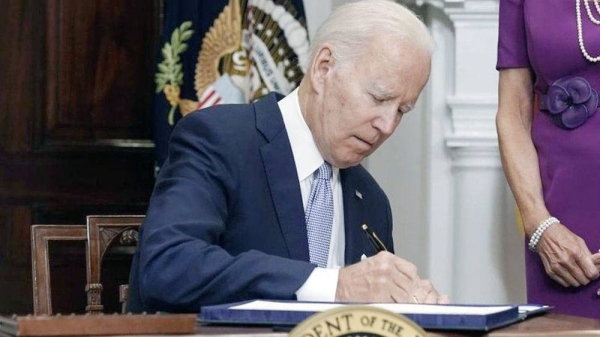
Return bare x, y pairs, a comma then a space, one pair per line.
324, 171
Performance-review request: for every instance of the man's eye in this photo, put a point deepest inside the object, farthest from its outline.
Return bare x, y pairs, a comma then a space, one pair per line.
377, 99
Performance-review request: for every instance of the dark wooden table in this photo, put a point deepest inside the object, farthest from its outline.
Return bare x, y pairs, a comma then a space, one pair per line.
545, 325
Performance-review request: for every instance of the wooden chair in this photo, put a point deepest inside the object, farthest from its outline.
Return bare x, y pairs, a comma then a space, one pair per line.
41, 235
104, 232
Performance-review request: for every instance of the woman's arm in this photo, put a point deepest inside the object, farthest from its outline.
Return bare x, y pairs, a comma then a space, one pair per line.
565, 255
519, 158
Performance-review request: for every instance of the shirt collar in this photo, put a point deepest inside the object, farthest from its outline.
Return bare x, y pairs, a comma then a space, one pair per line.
306, 154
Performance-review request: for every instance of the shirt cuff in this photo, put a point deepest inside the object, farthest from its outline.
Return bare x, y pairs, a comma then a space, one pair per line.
320, 286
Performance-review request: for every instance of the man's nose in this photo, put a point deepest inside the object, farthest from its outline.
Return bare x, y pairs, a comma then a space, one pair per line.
387, 122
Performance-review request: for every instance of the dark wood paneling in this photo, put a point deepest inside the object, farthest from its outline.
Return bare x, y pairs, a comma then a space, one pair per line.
99, 69
80, 178
21, 87
14, 235
15, 266
75, 123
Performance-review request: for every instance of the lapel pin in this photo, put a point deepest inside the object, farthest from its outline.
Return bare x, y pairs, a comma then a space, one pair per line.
358, 194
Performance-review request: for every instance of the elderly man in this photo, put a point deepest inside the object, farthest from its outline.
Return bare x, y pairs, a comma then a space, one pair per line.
267, 200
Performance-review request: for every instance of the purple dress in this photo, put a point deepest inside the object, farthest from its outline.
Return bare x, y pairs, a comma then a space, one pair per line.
542, 35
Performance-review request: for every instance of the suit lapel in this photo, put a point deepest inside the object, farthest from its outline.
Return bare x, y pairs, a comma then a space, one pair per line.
281, 173
353, 217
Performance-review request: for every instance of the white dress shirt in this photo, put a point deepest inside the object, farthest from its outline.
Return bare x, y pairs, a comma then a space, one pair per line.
321, 285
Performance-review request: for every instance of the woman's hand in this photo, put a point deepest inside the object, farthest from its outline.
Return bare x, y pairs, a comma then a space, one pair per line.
596, 259
566, 258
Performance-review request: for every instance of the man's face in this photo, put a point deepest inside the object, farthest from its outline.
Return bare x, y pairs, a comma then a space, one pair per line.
360, 103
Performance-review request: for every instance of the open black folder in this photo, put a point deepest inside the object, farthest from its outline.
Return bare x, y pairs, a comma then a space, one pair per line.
432, 317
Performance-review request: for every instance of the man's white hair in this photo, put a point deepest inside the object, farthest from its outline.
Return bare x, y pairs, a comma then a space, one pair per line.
351, 27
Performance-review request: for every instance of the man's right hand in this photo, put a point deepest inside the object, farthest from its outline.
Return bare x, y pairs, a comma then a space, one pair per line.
385, 278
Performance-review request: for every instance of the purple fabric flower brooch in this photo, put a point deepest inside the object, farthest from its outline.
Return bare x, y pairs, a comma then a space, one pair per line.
570, 102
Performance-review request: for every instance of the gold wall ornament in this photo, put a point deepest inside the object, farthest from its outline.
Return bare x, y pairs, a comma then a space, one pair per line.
224, 37
252, 48
357, 321
169, 77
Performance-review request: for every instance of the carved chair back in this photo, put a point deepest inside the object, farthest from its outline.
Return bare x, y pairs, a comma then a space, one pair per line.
103, 233
41, 236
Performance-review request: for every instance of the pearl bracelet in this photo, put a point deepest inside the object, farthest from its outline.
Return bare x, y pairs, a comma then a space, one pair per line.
537, 235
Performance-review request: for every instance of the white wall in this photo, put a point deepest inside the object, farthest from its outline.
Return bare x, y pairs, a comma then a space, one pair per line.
453, 212
316, 12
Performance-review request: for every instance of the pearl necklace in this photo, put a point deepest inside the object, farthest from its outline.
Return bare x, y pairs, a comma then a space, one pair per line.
589, 11
580, 26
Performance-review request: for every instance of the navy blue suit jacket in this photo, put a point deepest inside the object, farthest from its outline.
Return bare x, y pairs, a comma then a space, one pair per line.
226, 220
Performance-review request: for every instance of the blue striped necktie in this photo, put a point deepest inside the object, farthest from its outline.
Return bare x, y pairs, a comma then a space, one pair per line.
319, 216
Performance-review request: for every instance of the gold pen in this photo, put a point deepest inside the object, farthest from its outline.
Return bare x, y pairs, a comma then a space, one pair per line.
377, 243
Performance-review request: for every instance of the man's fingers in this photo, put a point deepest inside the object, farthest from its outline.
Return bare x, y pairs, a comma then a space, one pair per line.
444, 299
384, 277
426, 293
404, 284
419, 296
431, 298
399, 295
408, 269
403, 275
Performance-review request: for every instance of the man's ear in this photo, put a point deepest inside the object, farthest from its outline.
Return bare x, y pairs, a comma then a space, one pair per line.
321, 66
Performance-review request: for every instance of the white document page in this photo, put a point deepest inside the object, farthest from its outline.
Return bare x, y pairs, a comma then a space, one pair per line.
394, 307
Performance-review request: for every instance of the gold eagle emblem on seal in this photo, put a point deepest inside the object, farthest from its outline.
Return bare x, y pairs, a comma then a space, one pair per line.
253, 47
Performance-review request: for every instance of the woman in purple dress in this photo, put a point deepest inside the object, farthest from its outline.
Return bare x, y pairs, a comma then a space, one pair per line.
549, 133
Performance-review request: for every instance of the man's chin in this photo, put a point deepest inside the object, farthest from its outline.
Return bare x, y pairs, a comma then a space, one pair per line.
347, 162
